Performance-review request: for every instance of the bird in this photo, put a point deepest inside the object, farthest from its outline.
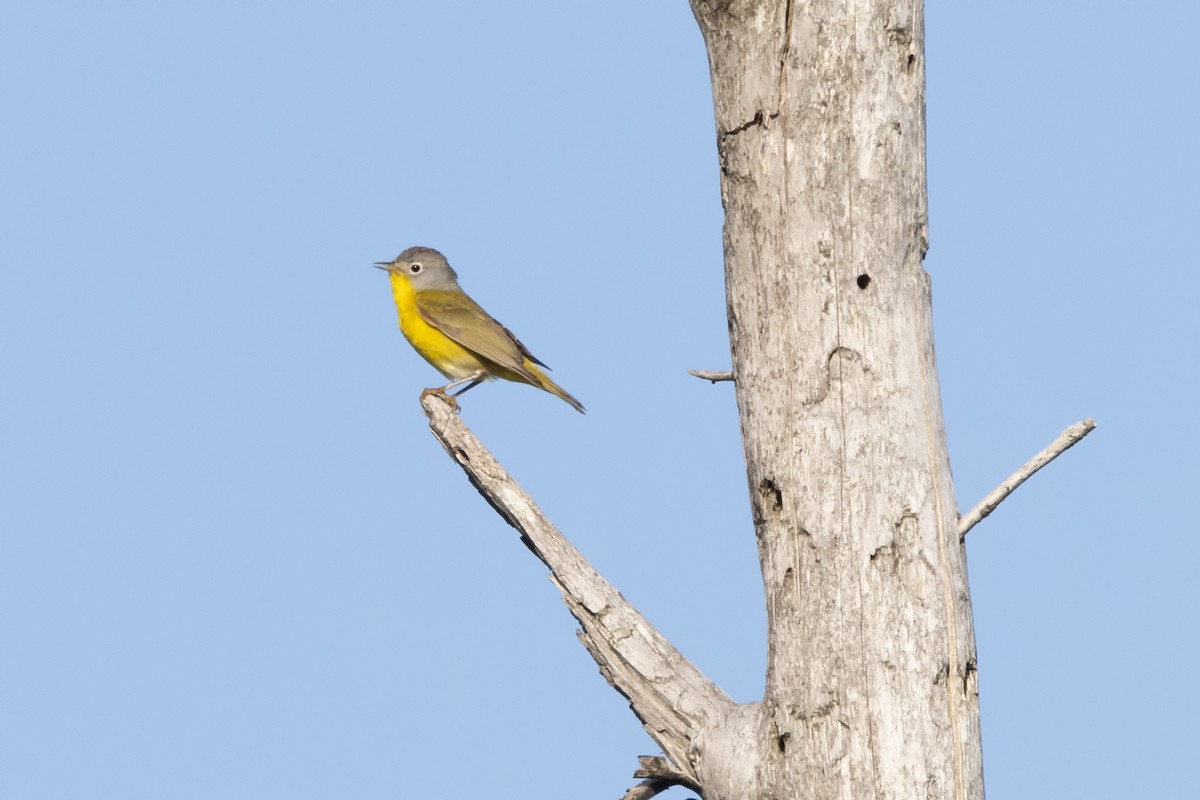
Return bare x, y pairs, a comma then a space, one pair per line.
454, 334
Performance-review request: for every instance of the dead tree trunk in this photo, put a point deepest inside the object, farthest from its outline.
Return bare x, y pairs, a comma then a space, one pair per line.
871, 684
871, 680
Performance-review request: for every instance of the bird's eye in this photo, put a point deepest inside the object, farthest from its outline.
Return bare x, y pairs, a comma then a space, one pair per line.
414, 268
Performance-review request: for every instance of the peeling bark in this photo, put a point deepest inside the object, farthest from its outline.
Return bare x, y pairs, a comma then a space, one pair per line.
821, 135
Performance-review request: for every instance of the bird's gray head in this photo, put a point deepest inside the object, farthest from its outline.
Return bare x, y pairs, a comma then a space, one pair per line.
424, 267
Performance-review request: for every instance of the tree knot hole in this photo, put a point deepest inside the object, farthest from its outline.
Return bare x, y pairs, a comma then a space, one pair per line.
789, 583
772, 496
781, 740
757, 121
899, 34
863, 281
970, 676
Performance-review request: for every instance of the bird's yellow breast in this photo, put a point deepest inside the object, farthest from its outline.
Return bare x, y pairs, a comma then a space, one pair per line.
446, 355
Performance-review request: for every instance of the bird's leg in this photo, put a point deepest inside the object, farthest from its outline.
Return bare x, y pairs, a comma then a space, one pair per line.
475, 378
472, 380
470, 385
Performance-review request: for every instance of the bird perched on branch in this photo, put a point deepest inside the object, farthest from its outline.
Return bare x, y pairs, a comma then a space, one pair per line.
455, 335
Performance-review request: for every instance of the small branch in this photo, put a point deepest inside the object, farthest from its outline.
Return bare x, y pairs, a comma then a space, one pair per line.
1056, 448
646, 789
660, 775
672, 698
709, 375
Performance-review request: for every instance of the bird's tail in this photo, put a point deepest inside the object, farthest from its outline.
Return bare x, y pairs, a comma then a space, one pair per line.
553, 388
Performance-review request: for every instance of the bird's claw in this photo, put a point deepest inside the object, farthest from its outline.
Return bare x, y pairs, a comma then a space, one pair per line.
441, 395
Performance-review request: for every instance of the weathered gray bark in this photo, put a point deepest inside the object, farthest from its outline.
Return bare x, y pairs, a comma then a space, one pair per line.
871, 688
674, 700
871, 682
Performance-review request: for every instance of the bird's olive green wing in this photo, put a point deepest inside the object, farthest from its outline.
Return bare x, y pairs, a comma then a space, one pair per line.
461, 318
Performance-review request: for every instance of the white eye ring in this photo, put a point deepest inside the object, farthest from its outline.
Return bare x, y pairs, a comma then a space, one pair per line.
414, 268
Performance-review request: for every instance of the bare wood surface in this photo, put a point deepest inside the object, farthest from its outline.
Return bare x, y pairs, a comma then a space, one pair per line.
672, 698
871, 684
1065, 441
660, 775
710, 375
646, 789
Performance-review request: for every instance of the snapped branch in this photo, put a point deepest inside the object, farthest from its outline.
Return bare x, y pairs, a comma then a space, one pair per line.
710, 375
660, 775
672, 698
1056, 448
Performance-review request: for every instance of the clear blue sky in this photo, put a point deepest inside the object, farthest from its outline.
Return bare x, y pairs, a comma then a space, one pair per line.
234, 562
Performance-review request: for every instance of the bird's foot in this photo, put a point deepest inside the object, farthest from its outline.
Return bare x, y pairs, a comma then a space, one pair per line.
441, 394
